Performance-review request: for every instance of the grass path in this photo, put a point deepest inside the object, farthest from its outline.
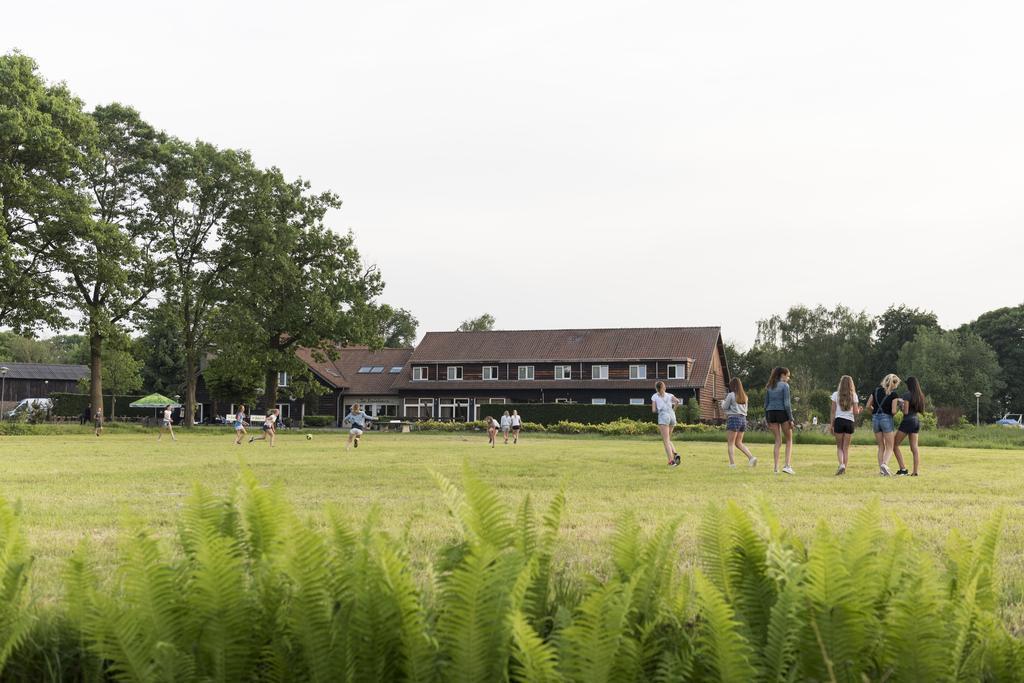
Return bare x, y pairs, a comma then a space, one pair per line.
75, 486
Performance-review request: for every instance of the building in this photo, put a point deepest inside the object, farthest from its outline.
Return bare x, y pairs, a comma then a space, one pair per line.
451, 374
38, 380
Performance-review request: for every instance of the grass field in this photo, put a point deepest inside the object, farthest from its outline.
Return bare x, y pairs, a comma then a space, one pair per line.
75, 485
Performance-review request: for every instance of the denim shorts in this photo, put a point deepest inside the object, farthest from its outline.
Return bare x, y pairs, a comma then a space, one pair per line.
880, 422
736, 423
667, 419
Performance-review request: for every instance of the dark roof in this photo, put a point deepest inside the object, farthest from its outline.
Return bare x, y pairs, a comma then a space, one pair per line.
545, 346
45, 371
343, 371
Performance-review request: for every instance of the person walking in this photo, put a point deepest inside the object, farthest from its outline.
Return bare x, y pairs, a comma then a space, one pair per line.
506, 426
882, 404
912, 404
845, 408
269, 428
664, 405
778, 410
735, 406
240, 424
97, 426
166, 423
358, 419
517, 425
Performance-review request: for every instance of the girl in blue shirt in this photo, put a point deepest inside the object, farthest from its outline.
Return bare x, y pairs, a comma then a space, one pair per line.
778, 410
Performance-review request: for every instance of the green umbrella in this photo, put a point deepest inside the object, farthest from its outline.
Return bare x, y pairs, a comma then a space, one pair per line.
156, 402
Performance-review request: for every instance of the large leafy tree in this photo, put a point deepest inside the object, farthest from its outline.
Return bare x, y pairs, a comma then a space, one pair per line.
161, 349
897, 326
19, 349
106, 257
195, 188
952, 366
1003, 330
42, 133
398, 326
292, 281
482, 323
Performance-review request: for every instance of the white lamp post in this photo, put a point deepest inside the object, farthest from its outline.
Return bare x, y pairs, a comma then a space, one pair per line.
977, 414
3, 387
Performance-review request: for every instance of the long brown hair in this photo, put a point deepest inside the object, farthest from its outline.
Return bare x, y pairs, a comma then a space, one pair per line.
736, 387
777, 373
847, 392
916, 395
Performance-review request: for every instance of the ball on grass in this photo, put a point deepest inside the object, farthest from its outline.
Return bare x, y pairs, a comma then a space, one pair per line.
309, 437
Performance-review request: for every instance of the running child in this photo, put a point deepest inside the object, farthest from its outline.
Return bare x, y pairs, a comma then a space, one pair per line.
240, 424
358, 419
506, 425
735, 407
492, 430
778, 410
664, 404
97, 426
166, 423
912, 404
269, 428
845, 408
882, 404
517, 425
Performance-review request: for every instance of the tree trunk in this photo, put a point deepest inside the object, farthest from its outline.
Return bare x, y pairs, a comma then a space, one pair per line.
95, 372
190, 389
113, 400
270, 390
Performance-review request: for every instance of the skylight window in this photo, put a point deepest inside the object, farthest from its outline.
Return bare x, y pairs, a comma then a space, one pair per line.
395, 370
377, 369
365, 369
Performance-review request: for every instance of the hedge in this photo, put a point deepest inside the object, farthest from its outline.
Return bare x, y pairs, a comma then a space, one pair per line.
553, 413
318, 420
72, 405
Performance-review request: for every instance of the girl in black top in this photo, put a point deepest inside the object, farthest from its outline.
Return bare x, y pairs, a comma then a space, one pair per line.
912, 404
882, 404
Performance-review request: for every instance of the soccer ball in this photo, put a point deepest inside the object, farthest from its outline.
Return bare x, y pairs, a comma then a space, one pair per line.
309, 437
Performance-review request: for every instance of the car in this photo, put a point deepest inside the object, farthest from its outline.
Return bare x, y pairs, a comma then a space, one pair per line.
1012, 420
28, 405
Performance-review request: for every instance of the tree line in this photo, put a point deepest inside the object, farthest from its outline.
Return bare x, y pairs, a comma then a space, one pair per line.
116, 228
820, 344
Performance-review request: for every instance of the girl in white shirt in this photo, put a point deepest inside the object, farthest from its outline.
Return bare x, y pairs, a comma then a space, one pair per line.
506, 425
517, 425
492, 430
664, 404
845, 407
165, 423
269, 428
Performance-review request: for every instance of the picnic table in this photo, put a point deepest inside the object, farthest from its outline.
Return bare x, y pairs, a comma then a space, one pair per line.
403, 426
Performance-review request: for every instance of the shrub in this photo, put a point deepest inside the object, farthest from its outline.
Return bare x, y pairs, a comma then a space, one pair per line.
318, 420
691, 412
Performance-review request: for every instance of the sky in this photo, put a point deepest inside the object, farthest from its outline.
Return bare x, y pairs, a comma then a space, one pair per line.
596, 164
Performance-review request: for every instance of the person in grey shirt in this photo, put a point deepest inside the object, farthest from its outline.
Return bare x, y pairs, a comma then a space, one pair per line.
735, 407
778, 409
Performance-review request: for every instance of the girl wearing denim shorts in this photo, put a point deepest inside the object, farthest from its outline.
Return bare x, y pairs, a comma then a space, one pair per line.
664, 405
883, 403
735, 407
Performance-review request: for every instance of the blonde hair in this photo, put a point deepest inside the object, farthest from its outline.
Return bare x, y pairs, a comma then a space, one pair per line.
355, 407
659, 386
847, 392
890, 382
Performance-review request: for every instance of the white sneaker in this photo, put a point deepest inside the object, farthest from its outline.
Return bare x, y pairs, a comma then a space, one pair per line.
732, 465
752, 462
788, 470
883, 470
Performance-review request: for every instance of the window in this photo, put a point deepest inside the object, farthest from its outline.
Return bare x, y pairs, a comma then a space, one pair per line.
454, 409
286, 410
636, 402
365, 369
598, 401
638, 372
454, 372
419, 407
598, 372
419, 373
525, 372
676, 371
377, 369
395, 370
563, 372
490, 372
282, 379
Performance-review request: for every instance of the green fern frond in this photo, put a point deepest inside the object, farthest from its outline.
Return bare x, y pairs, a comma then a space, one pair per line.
723, 649
526, 528
625, 545
533, 659
591, 647
715, 550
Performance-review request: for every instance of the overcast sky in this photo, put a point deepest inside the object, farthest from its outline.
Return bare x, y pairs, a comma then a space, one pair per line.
594, 164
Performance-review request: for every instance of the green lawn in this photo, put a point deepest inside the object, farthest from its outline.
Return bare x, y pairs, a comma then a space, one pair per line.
72, 486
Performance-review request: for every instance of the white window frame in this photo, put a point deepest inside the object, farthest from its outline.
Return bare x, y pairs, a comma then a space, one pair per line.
420, 373
676, 371
637, 402
286, 410
563, 400
282, 379
454, 376
598, 401
563, 372
598, 372
493, 373
530, 373
638, 372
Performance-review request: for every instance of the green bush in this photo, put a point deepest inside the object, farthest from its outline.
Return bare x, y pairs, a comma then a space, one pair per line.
250, 590
318, 420
691, 412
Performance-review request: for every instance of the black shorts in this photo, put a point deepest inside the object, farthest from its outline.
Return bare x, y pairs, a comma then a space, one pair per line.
267, 428
842, 426
777, 417
911, 424
515, 428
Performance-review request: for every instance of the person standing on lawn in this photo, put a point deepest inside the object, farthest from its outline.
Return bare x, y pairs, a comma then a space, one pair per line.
845, 408
239, 424
166, 423
778, 410
882, 404
517, 425
506, 425
912, 404
663, 404
735, 407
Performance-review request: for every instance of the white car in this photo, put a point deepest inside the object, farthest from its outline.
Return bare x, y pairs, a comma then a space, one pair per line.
1012, 420
29, 405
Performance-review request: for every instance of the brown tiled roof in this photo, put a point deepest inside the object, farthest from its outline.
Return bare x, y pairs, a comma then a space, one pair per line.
343, 371
590, 345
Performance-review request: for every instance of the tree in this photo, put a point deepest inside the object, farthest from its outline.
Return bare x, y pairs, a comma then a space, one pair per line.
294, 282
42, 128
233, 374
69, 348
481, 324
952, 366
161, 350
19, 349
398, 327
195, 188
106, 257
897, 326
1003, 330
121, 371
